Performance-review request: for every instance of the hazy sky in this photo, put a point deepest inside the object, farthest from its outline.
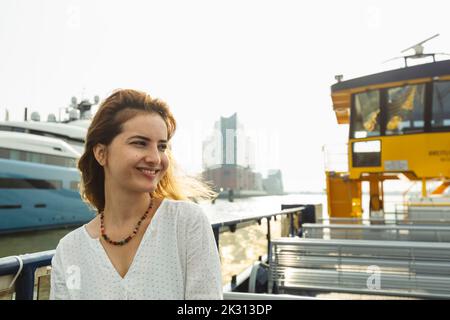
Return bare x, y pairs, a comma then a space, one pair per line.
272, 62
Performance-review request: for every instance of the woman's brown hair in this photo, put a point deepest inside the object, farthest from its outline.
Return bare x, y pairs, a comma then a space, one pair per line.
107, 123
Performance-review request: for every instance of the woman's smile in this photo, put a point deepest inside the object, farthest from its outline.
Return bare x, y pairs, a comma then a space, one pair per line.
151, 174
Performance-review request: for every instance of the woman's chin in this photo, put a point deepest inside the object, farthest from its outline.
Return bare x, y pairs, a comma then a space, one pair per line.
145, 188
149, 189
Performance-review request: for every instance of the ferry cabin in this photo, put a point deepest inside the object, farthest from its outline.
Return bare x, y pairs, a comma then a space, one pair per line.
399, 129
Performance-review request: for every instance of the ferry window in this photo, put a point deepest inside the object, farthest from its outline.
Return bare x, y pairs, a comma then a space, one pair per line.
405, 109
366, 153
365, 119
441, 104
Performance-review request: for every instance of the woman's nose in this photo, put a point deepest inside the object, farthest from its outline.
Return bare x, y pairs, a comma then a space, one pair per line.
152, 155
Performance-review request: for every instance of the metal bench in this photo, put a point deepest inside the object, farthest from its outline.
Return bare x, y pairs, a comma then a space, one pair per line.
397, 268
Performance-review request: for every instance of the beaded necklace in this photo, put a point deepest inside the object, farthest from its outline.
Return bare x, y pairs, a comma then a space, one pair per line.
127, 239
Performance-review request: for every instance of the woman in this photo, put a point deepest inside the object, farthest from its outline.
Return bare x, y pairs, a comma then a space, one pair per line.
147, 240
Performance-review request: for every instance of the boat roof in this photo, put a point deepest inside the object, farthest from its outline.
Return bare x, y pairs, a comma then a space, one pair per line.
80, 123
36, 143
62, 129
341, 92
427, 70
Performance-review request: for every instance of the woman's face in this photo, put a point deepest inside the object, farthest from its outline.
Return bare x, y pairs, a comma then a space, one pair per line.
135, 154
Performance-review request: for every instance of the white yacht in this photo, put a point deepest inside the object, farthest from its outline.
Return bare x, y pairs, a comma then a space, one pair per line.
39, 183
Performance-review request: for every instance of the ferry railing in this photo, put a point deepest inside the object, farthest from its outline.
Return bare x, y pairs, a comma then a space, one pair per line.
231, 225
370, 221
292, 215
335, 157
20, 275
260, 296
377, 232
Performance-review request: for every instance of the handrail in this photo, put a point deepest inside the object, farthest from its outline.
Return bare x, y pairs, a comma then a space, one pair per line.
377, 227
427, 233
387, 221
13, 281
256, 217
264, 296
24, 284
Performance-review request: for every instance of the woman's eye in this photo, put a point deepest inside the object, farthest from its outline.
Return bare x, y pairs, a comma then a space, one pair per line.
162, 147
140, 143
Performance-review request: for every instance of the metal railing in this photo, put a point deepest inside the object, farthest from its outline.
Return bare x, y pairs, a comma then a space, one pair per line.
260, 296
18, 273
397, 268
386, 221
377, 232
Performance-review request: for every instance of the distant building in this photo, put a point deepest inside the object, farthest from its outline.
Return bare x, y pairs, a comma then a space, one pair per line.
259, 181
273, 184
228, 159
234, 177
228, 144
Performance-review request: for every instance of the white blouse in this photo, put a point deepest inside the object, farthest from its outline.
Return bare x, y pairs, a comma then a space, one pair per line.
176, 259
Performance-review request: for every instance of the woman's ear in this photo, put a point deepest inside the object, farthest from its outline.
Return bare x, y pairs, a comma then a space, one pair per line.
100, 153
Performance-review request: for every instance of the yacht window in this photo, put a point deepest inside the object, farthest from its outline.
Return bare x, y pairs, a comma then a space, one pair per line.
37, 157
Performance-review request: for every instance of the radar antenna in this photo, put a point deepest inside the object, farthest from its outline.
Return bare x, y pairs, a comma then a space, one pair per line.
418, 52
418, 48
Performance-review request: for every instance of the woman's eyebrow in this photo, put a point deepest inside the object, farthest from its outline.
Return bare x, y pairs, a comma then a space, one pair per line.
144, 138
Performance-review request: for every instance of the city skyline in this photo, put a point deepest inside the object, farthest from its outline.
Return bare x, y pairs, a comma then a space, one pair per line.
229, 161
